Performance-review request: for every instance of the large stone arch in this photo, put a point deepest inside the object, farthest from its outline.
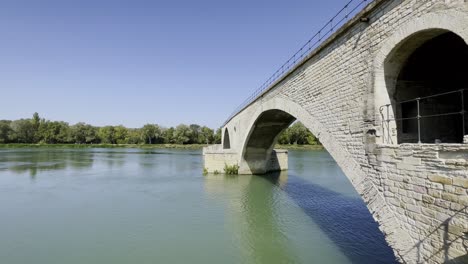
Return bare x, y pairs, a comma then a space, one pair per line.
391, 56
395, 235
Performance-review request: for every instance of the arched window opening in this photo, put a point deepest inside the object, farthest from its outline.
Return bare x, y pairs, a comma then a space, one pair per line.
431, 92
226, 141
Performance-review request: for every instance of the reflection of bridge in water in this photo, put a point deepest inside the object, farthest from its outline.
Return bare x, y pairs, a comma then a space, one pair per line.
259, 223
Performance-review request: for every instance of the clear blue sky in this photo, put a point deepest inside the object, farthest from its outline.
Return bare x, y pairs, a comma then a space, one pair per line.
110, 62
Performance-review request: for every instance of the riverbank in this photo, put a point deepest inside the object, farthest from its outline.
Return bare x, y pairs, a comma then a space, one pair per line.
141, 146
299, 147
144, 146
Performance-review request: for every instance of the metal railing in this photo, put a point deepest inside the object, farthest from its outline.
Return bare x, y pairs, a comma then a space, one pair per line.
338, 20
385, 110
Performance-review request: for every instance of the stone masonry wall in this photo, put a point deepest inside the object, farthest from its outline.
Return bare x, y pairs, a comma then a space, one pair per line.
417, 193
427, 185
215, 158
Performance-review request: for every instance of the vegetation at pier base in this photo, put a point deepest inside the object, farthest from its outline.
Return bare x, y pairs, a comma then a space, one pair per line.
231, 169
40, 131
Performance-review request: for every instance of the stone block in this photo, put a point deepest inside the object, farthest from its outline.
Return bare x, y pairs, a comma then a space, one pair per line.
450, 197
405, 166
428, 199
459, 181
463, 200
412, 161
419, 189
440, 179
413, 208
428, 212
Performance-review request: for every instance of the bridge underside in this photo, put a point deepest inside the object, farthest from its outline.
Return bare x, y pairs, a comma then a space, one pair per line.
259, 157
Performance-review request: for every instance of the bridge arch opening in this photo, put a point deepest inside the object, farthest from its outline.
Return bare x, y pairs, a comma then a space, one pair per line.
263, 137
427, 83
226, 140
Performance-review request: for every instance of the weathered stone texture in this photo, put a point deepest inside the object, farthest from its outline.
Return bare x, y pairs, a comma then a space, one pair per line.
417, 193
432, 198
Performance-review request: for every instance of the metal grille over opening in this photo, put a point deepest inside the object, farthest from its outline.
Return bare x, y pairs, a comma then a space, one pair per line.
430, 98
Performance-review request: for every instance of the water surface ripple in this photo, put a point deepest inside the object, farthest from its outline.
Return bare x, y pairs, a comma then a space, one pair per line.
155, 206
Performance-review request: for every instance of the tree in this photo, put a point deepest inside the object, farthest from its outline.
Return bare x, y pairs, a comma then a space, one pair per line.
22, 131
36, 123
83, 133
151, 134
196, 130
217, 136
206, 135
297, 134
52, 132
182, 134
134, 136
120, 133
37, 129
284, 137
106, 135
168, 135
5, 131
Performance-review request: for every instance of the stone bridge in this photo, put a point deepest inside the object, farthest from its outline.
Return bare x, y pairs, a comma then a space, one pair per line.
386, 95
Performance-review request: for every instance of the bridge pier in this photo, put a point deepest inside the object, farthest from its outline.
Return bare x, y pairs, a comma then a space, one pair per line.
258, 162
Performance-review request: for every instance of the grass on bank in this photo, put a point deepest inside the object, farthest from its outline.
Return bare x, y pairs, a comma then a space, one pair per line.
299, 147
144, 146
141, 146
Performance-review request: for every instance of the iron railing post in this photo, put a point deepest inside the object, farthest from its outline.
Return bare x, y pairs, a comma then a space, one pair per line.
388, 123
419, 122
382, 123
463, 111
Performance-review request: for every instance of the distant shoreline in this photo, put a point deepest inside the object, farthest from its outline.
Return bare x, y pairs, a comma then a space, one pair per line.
140, 146
299, 147
143, 146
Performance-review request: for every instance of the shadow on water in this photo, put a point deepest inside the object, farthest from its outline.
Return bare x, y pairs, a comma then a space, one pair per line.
266, 240
345, 220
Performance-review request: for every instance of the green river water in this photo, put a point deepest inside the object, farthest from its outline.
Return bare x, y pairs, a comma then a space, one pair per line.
154, 206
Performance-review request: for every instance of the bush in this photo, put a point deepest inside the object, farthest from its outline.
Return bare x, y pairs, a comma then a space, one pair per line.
231, 169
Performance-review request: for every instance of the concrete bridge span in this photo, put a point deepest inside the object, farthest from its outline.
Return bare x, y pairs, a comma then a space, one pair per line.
387, 96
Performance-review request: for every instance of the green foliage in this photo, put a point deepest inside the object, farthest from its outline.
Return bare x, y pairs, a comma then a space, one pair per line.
216, 172
195, 132
52, 132
5, 131
205, 171
217, 136
134, 136
22, 131
168, 136
205, 136
297, 134
231, 169
120, 134
39, 130
182, 134
107, 135
151, 134
82, 133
